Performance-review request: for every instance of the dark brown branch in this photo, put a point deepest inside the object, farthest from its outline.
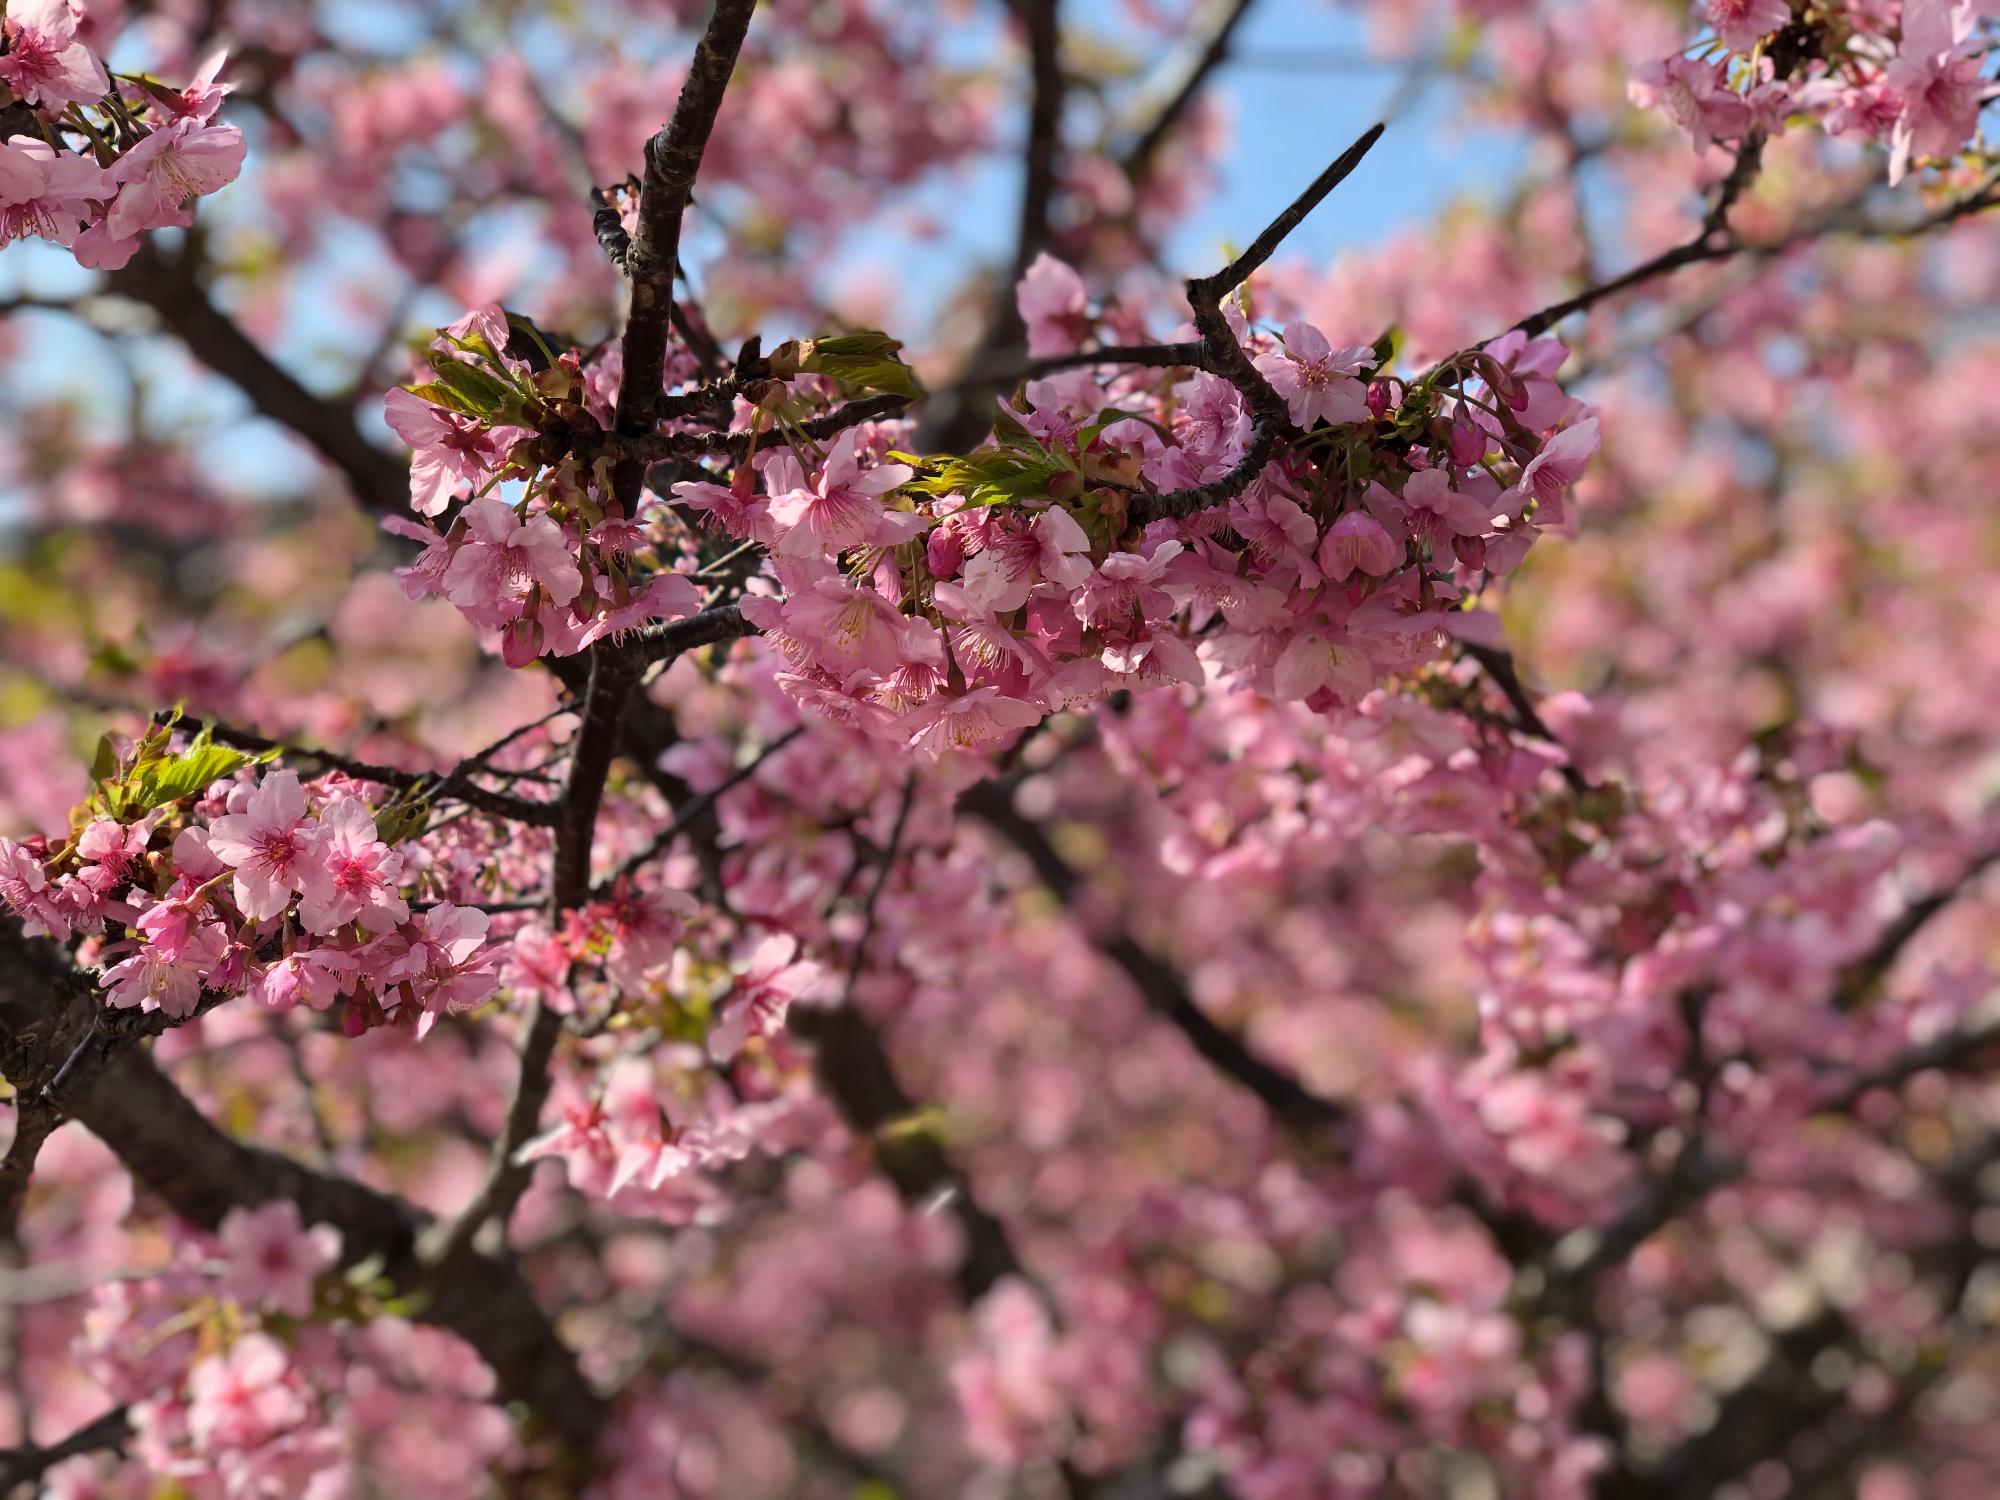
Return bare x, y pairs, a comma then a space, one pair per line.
1210, 290
652, 259
380, 480
19, 1466
456, 785
1290, 1102
1042, 154
610, 684
853, 1069
1224, 356
694, 810
1697, 1173
1499, 665
1210, 35
961, 413
175, 1152
725, 622
1693, 252
1860, 978
655, 447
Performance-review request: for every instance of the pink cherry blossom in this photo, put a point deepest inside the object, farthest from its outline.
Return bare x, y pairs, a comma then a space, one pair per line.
44, 194
507, 562
974, 718
274, 1260
1317, 380
313, 977
349, 874
1321, 661
444, 960
150, 980
1356, 543
841, 627
1436, 511
451, 450
766, 985
841, 508
1559, 465
1942, 90
184, 160
44, 63
24, 886
267, 844
1743, 23
1125, 592
1697, 94
242, 1399
1053, 305
1051, 547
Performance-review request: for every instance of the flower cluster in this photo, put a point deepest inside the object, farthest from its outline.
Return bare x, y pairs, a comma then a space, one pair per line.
944, 603
1913, 82
195, 878
555, 568
113, 162
250, 1369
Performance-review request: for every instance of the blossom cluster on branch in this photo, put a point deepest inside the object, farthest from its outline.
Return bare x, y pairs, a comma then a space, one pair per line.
102, 161
1912, 81
1004, 915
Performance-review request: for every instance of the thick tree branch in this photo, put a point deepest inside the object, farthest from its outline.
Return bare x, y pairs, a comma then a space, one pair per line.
853, 1069
19, 1466
1290, 1102
379, 479
652, 259
174, 1151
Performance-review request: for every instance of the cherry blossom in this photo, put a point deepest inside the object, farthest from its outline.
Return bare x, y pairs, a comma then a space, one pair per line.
44, 63
1316, 379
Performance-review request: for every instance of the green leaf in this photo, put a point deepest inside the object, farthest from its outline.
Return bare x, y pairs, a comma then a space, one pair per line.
193, 771
870, 360
104, 764
439, 395
484, 394
991, 476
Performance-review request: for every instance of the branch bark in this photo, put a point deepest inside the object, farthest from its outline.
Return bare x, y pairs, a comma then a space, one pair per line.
176, 1153
1292, 1104
379, 479
673, 158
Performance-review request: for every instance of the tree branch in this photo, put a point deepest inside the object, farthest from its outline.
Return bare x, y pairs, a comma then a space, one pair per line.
380, 480
1292, 1104
25, 1465
1206, 49
1499, 665
612, 677
652, 259
456, 784
1224, 356
178, 1154
853, 1069
696, 808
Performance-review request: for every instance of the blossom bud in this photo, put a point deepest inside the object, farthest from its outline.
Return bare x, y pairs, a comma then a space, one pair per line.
944, 551
1468, 442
